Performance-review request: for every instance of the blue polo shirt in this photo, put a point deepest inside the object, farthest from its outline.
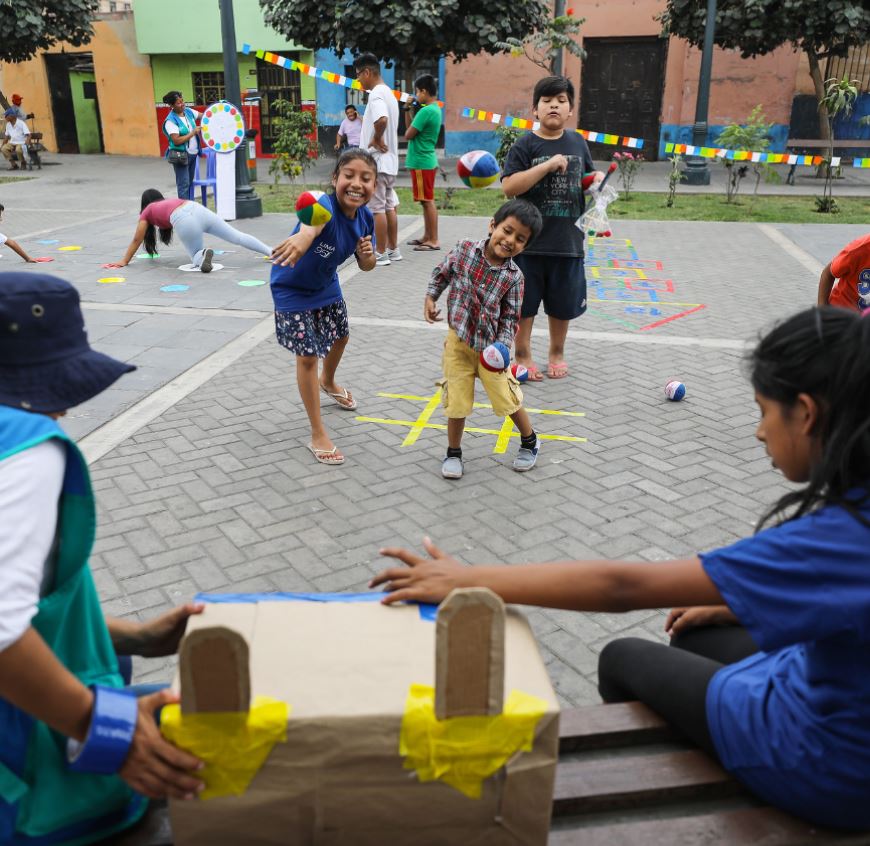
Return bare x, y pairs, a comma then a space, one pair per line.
313, 282
792, 722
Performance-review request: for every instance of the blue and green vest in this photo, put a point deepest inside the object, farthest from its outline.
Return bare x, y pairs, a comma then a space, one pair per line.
41, 801
190, 114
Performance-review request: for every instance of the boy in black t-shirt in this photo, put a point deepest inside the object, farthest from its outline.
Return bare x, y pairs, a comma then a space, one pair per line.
545, 167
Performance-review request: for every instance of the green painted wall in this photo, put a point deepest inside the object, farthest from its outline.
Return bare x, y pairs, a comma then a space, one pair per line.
175, 72
87, 126
169, 26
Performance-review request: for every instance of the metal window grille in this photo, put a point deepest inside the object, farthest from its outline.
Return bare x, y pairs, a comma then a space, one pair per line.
854, 65
208, 87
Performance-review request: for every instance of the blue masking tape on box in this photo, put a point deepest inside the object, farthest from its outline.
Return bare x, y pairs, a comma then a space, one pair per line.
113, 724
428, 611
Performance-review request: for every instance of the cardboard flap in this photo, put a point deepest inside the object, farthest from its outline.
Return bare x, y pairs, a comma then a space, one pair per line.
214, 671
469, 654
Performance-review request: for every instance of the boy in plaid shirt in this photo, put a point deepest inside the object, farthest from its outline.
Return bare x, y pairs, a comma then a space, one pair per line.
483, 307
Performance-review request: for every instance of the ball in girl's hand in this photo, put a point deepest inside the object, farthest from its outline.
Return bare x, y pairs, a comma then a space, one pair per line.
313, 208
477, 169
520, 371
675, 390
496, 357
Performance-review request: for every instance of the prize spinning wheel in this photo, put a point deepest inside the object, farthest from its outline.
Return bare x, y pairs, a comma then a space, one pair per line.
223, 129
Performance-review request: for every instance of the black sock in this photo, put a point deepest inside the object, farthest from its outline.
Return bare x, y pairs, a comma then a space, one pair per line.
528, 441
454, 452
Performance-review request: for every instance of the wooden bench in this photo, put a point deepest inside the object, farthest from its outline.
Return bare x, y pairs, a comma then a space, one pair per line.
810, 144
625, 779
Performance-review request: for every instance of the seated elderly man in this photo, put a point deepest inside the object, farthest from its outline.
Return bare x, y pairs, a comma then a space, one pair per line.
16, 138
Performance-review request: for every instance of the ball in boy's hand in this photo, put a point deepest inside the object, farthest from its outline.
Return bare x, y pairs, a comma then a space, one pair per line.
496, 357
477, 169
520, 371
675, 390
313, 209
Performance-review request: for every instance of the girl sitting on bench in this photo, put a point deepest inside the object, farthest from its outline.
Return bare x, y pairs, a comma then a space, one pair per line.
771, 671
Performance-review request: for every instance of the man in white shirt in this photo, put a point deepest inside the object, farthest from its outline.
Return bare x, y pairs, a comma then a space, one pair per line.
17, 137
380, 136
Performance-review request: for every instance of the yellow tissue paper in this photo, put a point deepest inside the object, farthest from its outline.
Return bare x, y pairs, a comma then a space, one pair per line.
233, 745
464, 751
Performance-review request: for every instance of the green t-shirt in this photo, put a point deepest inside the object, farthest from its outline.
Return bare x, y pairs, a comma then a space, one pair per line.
421, 148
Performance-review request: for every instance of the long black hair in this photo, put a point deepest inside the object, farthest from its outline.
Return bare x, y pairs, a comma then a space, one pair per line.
825, 353
152, 195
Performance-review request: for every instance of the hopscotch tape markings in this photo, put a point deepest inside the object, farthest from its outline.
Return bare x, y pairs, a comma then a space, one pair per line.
750, 156
522, 123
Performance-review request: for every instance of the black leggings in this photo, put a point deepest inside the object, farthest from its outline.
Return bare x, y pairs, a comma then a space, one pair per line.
673, 681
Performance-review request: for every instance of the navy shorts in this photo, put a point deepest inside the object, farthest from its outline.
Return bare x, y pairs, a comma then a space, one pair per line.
557, 281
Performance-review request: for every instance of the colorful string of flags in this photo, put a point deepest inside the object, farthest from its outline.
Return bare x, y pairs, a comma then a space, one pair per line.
749, 156
318, 73
589, 135
404, 97
521, 123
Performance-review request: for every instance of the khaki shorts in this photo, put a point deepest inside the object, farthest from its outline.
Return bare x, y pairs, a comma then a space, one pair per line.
385, 197
461, 365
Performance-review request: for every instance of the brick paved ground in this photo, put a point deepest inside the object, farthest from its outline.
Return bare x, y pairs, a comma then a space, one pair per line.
218, 493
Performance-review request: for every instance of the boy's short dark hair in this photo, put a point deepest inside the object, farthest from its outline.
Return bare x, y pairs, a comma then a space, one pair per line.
170, 97
426, 83
525, 212
551, 86
367, 60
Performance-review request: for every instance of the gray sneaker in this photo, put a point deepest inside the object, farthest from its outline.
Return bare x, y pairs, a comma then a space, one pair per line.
395, 254
205, 266
526, 458
451, 468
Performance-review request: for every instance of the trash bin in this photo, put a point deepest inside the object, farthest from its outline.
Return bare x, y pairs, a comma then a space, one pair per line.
250, 136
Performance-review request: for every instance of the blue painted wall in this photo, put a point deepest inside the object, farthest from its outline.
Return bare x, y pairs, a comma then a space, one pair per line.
677, 134
457, 143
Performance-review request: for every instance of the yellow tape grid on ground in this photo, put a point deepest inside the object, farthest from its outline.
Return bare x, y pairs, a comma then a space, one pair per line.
503, 435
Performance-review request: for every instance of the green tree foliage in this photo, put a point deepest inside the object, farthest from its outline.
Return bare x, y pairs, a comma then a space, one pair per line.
28, 27
544, 46
406, 30
294, 150
753, 136
820, 28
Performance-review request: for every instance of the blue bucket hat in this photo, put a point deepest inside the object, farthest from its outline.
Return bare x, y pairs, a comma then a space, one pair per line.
46, 363
9, 112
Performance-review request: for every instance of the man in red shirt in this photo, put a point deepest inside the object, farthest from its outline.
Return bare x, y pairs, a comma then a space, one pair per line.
850, 269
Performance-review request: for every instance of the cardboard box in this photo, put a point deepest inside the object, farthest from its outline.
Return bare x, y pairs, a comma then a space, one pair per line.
345, 669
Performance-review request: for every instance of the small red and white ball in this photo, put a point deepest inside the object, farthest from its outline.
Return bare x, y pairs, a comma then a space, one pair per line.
520, 371
478, 169
496, 357
675, 390
313, 208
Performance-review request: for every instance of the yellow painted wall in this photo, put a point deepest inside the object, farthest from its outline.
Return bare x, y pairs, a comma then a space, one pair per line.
124, 88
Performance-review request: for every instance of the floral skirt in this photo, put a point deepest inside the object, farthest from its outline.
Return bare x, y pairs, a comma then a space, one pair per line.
312, 332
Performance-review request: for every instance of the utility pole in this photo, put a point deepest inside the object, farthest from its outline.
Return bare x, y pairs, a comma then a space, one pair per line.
248, 204
697, 171
558, 10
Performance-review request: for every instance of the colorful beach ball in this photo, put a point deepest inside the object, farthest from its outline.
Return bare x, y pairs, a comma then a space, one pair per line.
313, 208
477, 169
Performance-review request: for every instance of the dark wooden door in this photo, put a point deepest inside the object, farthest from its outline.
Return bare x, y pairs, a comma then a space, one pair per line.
57, 71
621, 90
275, 83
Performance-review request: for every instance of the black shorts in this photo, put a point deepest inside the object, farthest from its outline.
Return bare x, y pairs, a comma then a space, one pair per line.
557, 281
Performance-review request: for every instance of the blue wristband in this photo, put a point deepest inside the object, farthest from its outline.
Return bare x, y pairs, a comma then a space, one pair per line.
113, 724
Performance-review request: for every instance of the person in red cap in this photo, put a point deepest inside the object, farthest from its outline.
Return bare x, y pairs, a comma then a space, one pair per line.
16, 106
79, 753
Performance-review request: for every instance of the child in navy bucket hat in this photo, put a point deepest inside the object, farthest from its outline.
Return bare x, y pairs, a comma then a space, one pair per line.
79, 753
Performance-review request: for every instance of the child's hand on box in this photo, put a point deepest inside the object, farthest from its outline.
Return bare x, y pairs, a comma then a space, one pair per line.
431, 312
427, 580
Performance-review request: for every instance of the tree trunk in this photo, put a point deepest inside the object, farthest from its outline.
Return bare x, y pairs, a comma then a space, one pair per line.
822, 112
